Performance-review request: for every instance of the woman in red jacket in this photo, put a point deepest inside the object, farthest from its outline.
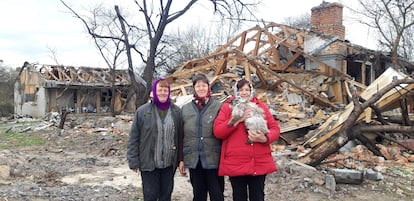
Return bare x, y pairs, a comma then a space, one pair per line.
246, 164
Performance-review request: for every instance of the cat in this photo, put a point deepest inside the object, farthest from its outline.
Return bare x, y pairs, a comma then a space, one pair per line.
254, 122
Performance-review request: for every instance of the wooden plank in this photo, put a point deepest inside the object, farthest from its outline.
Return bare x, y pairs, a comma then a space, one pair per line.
183, 91
261, 78
52, 75
231, 42
288, 128
118, 102
78, 102
291, 60
242, 40
315, 141
196, 69
338, 91
257, 45
222, 65
98, 101
213, 80
380, 82
386, 102
360, 85
61, 93
368, 115
60, 74
181, 86
363, 72
68, 78
273, 50
247, 71
323, 100
73, 75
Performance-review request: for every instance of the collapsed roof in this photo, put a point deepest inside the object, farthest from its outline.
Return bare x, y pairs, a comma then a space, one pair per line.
301, 87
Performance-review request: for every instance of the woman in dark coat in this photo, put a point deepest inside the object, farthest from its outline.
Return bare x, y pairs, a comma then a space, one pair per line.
153, 143
201, 151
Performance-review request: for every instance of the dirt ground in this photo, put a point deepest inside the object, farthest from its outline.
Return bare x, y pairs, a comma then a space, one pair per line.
86, 161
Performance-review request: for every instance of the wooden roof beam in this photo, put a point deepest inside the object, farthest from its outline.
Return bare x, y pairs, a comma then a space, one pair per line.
195, 69
323, 100
221, 66
242, 41
291, 60
232, 41
257, 45
273, 50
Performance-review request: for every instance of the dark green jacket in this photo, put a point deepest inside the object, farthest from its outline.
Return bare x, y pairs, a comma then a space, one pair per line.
199, 141
143, 137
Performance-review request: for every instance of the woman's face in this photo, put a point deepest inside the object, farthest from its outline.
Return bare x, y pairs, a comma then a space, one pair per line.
244, 92
201, 89
162, 93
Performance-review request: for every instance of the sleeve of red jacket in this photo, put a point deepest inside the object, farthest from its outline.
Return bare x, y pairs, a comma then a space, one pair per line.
220, 128
272, 124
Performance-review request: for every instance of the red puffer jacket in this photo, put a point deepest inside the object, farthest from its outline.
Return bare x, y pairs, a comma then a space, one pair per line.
237, 157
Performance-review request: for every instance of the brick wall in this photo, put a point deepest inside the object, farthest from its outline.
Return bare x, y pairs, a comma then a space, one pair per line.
327, 18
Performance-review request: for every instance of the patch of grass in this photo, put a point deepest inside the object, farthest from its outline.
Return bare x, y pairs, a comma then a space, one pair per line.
13, 140
139, 196
118, 138
114, 136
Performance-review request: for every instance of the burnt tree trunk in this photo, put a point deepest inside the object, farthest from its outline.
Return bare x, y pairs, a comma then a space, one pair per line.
63, 118
404, 111
389, 128
378, 114
330, 146
358, 135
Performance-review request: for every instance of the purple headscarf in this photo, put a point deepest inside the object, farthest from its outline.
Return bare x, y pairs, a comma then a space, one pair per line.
161, 106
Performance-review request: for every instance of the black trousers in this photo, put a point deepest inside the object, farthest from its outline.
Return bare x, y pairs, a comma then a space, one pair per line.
206, 181
254, 185
157, 185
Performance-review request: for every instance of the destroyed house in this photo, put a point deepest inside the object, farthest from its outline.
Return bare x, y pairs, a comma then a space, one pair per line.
288, 66
41, 89
319, 63
308, 78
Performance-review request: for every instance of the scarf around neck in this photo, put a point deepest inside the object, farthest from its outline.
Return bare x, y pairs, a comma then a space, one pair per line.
201, 101
165, 147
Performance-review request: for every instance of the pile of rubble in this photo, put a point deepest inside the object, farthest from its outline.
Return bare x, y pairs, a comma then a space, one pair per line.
307, 100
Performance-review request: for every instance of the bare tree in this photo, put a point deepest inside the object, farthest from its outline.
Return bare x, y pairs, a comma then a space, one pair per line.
106, 34
184, 45
407, 48
392, 19
8, 77
299, 22
156, 15
196, 41
53, 54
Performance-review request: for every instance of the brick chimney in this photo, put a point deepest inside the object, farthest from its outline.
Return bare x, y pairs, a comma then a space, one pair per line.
327, 18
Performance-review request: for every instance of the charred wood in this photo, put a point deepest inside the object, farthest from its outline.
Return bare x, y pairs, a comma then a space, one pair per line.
330, 146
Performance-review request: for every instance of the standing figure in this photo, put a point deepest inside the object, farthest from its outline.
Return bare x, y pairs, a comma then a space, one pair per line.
246, 164
201, 150
153, 143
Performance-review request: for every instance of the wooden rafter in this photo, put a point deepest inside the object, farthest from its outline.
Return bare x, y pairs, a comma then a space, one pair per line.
291, 60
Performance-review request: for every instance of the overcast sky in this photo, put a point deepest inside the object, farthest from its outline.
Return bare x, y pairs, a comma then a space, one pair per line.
30, 29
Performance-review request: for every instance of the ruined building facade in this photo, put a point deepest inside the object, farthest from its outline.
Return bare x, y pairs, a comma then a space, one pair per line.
41, 89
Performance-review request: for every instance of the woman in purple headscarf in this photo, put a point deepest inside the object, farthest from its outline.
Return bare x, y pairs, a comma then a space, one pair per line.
153, 143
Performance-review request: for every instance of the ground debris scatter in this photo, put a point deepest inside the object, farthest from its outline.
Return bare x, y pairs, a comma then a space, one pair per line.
86, 161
